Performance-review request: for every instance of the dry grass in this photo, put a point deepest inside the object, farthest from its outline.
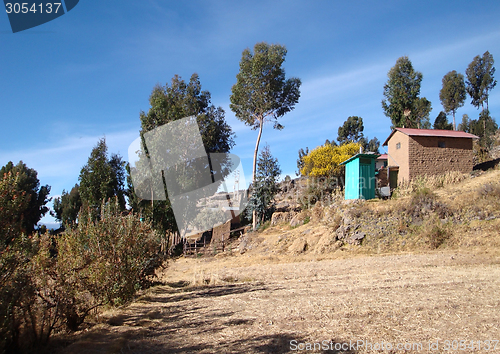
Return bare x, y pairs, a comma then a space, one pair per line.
424, 275
431, 182
399, 299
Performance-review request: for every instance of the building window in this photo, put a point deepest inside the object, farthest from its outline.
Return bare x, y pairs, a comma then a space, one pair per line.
441, 144
398, 146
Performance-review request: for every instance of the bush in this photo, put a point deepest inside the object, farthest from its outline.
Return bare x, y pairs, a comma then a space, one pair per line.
14, 279
104, 262
424, 202
433, 233
326, 190
489, 190
48, 284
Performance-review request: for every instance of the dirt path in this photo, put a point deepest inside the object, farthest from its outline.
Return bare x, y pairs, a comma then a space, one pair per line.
273, 307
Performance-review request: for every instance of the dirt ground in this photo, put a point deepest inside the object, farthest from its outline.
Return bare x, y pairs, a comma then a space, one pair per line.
238, 304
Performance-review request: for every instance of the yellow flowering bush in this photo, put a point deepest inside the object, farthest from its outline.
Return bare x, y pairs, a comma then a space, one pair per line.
324, 160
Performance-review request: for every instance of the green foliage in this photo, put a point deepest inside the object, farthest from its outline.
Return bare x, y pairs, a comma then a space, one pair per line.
321, 189
422, 109
265, 186
261, 90
372, 146
264, 226
170, 103
465, 124
23, 321
27, 182
401, 92
262, 93
480, 80
441, 122
67, 206
300, 160
107, 259
452, 94
102, 178
351, 130
14, 203
48, 283
484, 127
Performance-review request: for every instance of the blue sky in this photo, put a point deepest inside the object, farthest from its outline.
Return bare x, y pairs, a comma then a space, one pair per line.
88, 74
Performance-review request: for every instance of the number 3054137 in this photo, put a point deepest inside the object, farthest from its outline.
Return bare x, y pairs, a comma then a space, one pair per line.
24, 8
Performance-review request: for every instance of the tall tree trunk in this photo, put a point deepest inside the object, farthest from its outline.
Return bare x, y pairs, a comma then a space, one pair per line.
254, 213
454, 127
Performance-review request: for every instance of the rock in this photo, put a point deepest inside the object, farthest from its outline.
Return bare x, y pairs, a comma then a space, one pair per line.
298, 246
282, 206
341, 233
297, 220
356, 238
327, 243
279, 217
283, 237
243, 245
347, 219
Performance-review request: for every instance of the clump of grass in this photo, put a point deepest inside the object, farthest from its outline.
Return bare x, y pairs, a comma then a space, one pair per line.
437, 236
202, 279
489, 190
317, 212
423, 202
265, 226
406, 188
360, 209
433, 233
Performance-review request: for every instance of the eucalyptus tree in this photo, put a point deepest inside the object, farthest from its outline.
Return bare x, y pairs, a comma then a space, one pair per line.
262, 92
452, 94
401, 102
480, 79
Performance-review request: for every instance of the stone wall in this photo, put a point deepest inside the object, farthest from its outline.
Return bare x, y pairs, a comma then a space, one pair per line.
426, 157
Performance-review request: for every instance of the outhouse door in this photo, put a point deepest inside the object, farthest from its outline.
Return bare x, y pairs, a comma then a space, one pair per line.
364, 183
366, 178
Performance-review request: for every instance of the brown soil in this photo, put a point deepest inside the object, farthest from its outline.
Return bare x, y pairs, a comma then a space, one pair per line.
262, 306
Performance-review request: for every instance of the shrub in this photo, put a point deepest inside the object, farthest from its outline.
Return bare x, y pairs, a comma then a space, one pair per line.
108, 258
434, 233
423, 202
28, 318
489, 190
326, 190
324, 160
48, 283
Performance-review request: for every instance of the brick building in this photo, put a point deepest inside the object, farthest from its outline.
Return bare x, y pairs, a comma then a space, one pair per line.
416, 152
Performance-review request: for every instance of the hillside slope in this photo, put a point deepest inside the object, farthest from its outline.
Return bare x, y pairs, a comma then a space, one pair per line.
455, 211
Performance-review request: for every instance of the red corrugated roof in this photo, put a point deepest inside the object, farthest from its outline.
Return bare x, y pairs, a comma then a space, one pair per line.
432, 132
382, 157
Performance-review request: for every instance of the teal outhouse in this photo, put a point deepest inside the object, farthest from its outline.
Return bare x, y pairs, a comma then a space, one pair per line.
360, 180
